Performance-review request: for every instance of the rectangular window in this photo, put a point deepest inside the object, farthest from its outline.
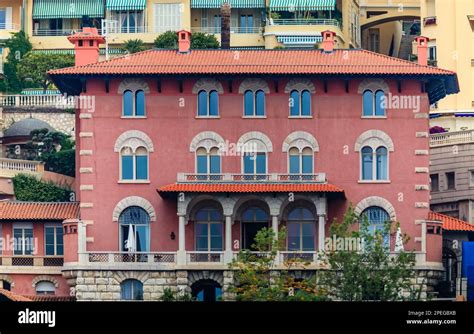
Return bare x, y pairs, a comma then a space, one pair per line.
53, 240
168, 16
301, 236
249, 163
261, 163
307, 164
294, 164
23, 240
434, 182
450, 181
202, 164
142, 167
209, 237
127, 167
3, 18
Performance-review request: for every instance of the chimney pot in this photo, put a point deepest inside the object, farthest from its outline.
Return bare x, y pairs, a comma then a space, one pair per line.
184, 41
328, 41
422, 47
86, 46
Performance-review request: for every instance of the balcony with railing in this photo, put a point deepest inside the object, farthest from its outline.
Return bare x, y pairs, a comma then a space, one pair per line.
11, 167
40, 100
304, 22
25, 263
451, 138
246, 178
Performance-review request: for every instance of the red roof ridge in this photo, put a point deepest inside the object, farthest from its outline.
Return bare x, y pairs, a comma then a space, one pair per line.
451, 223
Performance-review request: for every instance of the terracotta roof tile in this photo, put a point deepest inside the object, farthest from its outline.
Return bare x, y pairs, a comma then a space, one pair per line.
10, 210
249, 188
450, 223
353, 61
13, 296
50, 298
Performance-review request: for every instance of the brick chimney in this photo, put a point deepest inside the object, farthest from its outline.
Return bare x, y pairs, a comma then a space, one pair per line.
328, 41
86, 45
184, 41
422, 46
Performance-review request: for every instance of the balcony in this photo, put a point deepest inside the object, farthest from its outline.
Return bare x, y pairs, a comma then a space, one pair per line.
11, 167
246, 178
451, 138
42, 100
305, 22
31, 264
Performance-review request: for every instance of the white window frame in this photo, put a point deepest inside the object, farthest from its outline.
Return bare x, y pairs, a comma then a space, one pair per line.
134, 104
160, 18
55, 239
134, 161
255, 164
374, 165
300, 155
208, 157
374, 101
23, 227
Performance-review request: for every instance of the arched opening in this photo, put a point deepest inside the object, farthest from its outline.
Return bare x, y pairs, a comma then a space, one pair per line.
45, 288
131, 289
206, 290
253, 218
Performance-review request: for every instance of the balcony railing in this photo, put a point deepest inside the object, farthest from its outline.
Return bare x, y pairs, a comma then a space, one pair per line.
451, 138
31, 261
208, 257
305, 22
277, 178
43, 100
17, 165
9, 26
299, 256
233, 30
137, 257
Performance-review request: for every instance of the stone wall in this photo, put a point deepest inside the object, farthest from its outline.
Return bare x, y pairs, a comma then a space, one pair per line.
61, 120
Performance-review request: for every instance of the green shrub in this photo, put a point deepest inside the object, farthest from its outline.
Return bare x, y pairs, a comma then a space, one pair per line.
31, 189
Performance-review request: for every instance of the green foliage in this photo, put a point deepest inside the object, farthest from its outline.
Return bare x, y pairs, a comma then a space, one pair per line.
369, 273
18, 46
169, 40
34, 67
258, 279
170, 296
55, 149
134, 46
29, 188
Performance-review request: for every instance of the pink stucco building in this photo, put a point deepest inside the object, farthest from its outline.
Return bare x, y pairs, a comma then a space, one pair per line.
182, 156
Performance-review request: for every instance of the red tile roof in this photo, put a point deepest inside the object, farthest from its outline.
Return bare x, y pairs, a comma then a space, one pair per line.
13, 296
10, 210
353, 61
50, 298
249, 188
450, 223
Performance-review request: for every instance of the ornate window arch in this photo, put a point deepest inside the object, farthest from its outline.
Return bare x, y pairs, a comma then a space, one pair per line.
133, 92
207, 90
377, 202
208, 147
374, 147
133, 201
264, 143
46, 278
300, 139
208, 140
134, 147
254, 147
254, 91
300, 146
373, 96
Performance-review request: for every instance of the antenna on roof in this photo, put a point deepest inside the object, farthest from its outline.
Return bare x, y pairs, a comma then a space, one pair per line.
107, 27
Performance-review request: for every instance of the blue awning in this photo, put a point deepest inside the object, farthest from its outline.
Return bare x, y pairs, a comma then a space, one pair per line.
233, 3
125, 4
292, 5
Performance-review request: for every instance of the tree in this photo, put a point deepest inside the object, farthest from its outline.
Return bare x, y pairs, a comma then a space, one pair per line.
31, 189
368, 272
18, 46
258, 279
134, 46
34, 67
169, 40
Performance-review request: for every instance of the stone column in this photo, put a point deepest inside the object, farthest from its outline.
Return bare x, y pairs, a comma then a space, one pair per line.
321, 231
228, 239
275, 230
182, 240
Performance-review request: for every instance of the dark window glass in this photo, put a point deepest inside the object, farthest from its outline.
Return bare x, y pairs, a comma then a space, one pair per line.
128, 103
140, 103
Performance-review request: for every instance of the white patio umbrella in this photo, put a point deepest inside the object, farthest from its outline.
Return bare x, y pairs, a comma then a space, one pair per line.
399, 241
130, 242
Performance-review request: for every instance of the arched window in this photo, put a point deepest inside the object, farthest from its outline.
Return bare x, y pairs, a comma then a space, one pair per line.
300, 162
209, 230
131, 289
208, 162
254, 103
374, 163
206, 290
301, 228
373, 104
253, 219
134, 164
45, 288
376, 219
300, 103
140, 103
133, 103
208, 103
134, 230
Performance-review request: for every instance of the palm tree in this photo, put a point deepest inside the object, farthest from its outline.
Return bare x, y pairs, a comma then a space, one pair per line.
134, 46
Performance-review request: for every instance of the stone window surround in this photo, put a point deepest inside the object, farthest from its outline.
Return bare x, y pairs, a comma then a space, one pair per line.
133, 85
374, 138
206, 140
256, 136
376, 201
134, 201
133, 139
254, 84
207, 84
44, 278
300, 140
